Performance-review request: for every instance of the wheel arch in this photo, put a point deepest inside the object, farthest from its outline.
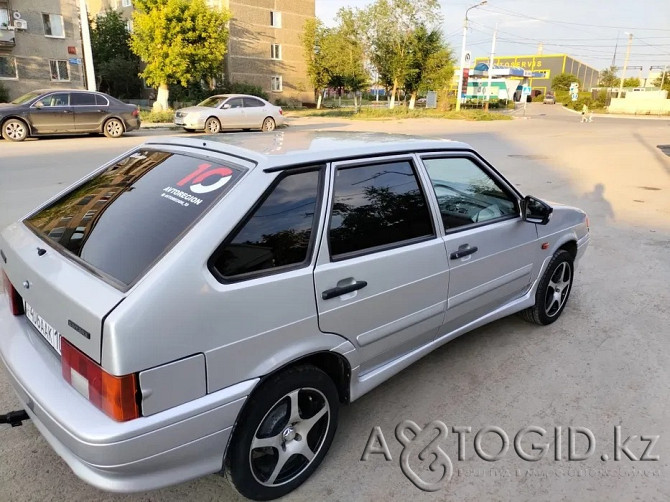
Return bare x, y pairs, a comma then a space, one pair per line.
17, 117
571, 247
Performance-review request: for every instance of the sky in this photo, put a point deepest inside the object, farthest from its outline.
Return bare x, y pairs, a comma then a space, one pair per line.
587, 30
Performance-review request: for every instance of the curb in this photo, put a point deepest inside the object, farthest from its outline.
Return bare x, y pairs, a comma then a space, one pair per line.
157, 125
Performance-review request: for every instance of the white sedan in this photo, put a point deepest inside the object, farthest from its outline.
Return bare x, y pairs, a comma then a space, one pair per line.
230, 111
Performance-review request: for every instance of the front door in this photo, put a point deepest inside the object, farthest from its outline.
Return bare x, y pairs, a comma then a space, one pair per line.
493, 254
52, 114
382, 275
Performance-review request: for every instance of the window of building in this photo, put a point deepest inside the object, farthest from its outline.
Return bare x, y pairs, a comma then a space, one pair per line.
275, 19
275, 51
276, 84
467, 194
278, 234
129, 25
59, 70
53, 25
377, 206
127, 3
114, 4
4, 19
8, 67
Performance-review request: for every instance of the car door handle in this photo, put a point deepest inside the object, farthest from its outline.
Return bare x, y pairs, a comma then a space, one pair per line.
67, 111
343, 290
463, 250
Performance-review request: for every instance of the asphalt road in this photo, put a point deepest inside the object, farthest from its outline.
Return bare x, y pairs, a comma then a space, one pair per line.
604, 364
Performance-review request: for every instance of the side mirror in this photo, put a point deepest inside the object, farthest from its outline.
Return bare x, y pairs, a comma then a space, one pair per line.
535, 211
226, 106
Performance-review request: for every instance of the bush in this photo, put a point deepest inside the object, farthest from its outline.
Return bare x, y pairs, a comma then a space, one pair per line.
195, 92
163, 117
4, 94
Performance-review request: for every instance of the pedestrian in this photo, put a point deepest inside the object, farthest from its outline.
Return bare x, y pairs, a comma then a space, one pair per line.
585, 110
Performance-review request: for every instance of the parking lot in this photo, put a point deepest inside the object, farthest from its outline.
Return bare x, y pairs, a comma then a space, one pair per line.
604, 364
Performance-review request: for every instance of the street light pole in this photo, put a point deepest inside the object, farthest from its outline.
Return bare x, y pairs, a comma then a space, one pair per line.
460, 74
490, 72
625, 63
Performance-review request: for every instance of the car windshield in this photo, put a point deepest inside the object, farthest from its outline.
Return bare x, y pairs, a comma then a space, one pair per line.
26, 97
213, 101
124, 218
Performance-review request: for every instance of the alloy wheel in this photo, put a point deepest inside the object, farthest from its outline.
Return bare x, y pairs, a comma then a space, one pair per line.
558, 289
289, 437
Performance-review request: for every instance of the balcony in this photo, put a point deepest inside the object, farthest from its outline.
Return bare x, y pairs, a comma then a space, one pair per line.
7, 38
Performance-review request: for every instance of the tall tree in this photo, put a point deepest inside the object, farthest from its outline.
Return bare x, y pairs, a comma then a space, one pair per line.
388, 27
431, 65
179, 40
663, 82
316, 40
346, 54
608, 77
116, 67
631, 82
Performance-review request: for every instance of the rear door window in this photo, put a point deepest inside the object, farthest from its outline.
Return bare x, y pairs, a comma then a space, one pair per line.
123, 219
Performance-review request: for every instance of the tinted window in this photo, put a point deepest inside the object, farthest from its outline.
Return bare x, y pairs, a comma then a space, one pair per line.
124, 218
101, 100
235, 102
466, 194
252, 103
62, 99
82, 99
279, 231
375, 206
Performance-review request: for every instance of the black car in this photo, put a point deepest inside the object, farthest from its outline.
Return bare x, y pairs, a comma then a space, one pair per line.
61, 111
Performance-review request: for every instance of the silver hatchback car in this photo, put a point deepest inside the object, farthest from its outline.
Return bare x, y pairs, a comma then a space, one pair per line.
206, 305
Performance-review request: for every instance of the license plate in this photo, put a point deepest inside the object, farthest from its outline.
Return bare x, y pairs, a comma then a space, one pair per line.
46, 330
179, 121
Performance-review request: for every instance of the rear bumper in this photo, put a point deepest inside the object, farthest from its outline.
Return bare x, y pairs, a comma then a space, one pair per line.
133, 124
170, 447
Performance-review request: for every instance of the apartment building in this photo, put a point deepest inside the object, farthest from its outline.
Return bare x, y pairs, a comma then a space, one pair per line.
40, 45
264, 46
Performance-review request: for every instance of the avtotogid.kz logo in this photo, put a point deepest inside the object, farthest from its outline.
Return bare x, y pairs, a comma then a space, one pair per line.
426, 464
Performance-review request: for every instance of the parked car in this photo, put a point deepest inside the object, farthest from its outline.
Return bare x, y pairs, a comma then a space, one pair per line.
230, 111
209, 303
549, 99
49, 112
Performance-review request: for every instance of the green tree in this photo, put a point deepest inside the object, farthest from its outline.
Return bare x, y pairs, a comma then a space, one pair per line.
116, 67
346, 54
315, 41
388, 26
431, 64
562, 81
608, 77
179, 40
663, 82
631, 82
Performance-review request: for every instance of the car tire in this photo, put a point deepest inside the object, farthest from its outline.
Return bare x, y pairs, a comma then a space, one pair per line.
268, 125
212, 125
113, 128
289, 418
15, 130
553, 291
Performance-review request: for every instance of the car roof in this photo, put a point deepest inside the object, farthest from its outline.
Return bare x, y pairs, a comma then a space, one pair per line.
234, 96
280, 149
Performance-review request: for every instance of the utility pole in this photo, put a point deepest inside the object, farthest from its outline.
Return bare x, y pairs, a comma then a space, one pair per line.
490, 72
86, 43
460, 74
625, 63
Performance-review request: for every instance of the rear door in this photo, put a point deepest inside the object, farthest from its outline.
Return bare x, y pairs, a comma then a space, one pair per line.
382, 274
88, 114
493, 254
52, 114
254, 112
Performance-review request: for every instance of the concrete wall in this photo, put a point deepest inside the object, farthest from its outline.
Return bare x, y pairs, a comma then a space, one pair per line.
33, 50
642, 103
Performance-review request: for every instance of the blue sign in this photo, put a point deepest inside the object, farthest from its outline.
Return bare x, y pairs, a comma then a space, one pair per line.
74, 61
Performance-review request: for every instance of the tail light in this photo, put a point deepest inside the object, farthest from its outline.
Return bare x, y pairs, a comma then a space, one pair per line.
281, 112
114, 396
15, 300
136, 112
